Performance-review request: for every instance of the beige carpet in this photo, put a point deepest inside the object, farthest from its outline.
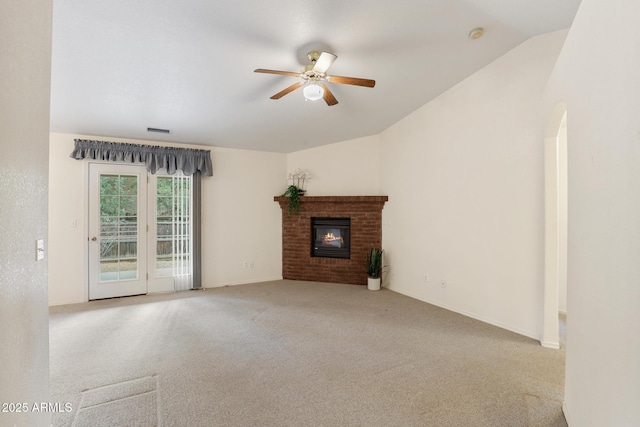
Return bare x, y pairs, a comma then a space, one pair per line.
132, 402
290, 353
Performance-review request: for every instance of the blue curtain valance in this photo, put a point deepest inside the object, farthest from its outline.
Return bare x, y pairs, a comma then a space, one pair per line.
187, 160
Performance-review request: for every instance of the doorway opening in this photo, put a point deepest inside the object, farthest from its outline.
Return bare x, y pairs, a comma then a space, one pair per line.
141, 231
556, 225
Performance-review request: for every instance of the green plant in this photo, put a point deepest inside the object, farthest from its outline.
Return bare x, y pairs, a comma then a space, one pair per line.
374, 262
294, 199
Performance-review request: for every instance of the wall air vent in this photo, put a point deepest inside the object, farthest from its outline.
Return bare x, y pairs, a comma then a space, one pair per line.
158, 130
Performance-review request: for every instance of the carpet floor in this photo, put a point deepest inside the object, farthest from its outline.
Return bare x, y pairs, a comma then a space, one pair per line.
291, 353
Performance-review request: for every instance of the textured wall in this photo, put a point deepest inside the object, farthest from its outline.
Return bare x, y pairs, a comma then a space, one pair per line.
25, 72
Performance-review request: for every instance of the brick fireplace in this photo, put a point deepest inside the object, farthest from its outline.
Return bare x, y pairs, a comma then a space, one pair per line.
365, 218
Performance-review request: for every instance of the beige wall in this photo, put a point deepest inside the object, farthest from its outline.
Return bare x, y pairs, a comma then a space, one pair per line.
240, 220
464, 175
25, 71
597, 76
350, 168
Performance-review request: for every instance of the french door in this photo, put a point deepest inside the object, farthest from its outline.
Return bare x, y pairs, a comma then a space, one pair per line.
139, 231
117, 230
170, 231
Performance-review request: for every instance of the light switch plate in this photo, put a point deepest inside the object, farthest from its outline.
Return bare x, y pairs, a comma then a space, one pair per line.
39, 249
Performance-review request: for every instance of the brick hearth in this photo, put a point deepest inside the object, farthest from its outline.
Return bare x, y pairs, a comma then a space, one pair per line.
366, 231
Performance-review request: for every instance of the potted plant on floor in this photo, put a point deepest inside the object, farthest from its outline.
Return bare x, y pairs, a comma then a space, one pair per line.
374, 268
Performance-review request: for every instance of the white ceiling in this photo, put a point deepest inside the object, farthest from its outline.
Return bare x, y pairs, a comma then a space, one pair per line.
121, 66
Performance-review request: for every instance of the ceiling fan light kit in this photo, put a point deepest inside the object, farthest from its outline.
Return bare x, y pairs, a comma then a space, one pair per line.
312, 91
313, 77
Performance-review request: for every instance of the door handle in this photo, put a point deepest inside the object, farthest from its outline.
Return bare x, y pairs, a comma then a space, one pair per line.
93, 239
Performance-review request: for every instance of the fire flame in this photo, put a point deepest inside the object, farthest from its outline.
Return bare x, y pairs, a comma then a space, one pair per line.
330, 237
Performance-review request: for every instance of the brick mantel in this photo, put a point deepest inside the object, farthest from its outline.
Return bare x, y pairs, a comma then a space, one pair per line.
366, 231
336, 199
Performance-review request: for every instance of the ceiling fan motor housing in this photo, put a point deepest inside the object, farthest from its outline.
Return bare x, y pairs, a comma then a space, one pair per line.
313, 56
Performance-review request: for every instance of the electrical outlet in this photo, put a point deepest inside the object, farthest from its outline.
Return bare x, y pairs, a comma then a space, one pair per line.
251, 264
245, 264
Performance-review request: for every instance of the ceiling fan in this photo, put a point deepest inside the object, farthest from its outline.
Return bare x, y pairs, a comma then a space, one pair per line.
314, 77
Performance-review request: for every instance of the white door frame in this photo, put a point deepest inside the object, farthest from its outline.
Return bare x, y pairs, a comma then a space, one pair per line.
96, 288
555, 225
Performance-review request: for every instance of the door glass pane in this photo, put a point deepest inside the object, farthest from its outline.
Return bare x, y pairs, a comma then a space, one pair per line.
109, 205
108, 226
165, 206
128, 269
109, 185
108, 248
164, 186
173, 226
108, 270
128, 248
129, 185
118, 227
128, 227
128, 205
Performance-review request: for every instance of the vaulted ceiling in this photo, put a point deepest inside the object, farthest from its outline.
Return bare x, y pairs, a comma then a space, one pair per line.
121, 66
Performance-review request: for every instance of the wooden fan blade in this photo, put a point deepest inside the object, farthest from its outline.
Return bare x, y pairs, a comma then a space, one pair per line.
324, 62
328, 96
283, 73
287, 90
351, 81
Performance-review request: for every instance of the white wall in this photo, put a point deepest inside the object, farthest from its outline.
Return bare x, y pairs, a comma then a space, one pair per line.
68, 203
464, 175
240, 220
25, 71
597, 76
350, 168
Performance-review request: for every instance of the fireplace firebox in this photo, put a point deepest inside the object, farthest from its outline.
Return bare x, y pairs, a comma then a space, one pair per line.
330, 237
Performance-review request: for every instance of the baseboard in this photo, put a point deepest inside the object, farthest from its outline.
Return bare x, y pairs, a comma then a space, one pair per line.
550, 344
171, 291
247, 282
56, 303
493, 322
565, 411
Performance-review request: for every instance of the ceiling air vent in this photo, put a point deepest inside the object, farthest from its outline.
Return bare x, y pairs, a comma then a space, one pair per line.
158, 130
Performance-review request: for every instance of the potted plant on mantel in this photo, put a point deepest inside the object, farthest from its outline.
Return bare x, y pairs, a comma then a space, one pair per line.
298, 179
374, 268
294, 199
296, 189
